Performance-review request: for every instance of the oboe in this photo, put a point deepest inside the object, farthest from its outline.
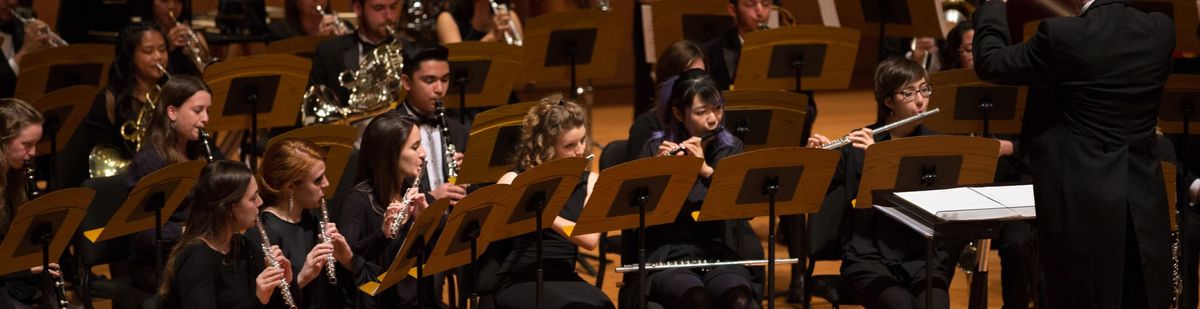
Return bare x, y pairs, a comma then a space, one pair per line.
284, 287
394, 228
845, 140
207, 146
330, 261
448, 156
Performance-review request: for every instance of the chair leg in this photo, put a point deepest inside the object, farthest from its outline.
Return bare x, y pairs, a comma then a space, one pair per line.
603, 261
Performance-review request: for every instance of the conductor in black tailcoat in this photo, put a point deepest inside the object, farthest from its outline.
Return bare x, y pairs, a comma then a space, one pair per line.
1096, 80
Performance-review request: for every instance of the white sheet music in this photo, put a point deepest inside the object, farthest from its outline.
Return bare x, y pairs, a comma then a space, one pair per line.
975, 203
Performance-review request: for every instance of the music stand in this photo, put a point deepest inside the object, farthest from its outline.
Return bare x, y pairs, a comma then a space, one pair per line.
776, 181
637, 194
765, 118
63, 110
41, 230
907, 18
563, 46
803, 57
464, 232
303, 46
927, 162
1185, 16
489, 146
482, 73
692, 20
245, 86
540, 194
51, 69
156, 195
336, 140
973, 106
410, 260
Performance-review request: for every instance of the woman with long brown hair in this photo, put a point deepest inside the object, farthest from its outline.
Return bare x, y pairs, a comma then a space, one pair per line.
291, 183
214, 266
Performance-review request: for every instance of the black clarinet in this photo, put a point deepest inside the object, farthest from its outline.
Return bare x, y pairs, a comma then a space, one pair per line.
451, 167
205, 145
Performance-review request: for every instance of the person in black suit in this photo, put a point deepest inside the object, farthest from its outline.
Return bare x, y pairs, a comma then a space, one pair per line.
16, 41
723, 52
425, 78
1089, 124
343, 53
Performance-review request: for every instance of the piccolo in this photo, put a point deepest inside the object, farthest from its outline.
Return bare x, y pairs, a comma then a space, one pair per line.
845, 140
330, 261
284, 287
700, 264
394, 228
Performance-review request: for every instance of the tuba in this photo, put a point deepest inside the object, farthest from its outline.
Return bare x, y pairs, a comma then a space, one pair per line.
372, 88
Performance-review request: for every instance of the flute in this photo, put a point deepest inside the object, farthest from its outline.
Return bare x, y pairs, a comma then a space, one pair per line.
708, 136
394, 228
330, 261
845, 140
284, 287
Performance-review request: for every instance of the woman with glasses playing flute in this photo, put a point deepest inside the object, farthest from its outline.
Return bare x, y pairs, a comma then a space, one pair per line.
389, 162
214, 266
291, 182
553, 129
884, 261
691, 120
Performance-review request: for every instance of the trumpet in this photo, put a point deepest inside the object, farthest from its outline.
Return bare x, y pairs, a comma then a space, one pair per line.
200, 53
284, 287
340, 28
513, 35
330, 261
55, 40
402, 217
448, 154
845, 140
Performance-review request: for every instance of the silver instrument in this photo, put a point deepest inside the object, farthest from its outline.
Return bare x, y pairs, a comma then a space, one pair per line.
701, 264
107, 160
200, 53
394, 228
330, 261
340, 28
284, 287
55, 40
513, 35
1176, 271
205, 145
449, 151
419, 20
845, 140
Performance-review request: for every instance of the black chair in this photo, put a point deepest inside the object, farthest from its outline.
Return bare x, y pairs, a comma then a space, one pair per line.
113, 252
612, 154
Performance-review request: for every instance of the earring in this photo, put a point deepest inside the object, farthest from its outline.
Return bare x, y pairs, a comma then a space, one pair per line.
290, 205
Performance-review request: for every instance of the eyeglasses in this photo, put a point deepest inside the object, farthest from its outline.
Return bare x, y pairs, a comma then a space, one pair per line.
907, 95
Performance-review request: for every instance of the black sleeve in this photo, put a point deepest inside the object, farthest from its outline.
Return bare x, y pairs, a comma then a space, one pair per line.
639, 133
144, 162
995, 61
197, 277
356, 224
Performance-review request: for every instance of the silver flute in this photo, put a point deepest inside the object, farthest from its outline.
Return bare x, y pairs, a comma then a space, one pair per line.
55, 40
845, 140
700, 264
512, 36
394, 228
330, 261
284, 287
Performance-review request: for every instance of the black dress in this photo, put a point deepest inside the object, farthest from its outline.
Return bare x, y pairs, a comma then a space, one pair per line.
206, 278
563, 288
296, 240
884, 261
360, 222
686, 239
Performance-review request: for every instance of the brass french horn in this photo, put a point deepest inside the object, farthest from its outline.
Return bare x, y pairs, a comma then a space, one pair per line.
373, 88
107, 160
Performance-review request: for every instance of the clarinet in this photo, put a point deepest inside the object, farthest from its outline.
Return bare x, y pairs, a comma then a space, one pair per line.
284, 287
207, 146
448, 155
394, 228
60, 288
330, 261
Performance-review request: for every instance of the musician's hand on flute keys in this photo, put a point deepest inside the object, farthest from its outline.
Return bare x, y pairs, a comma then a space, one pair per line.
817, 141
862, 138
341, 248
270, 277
314, 263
